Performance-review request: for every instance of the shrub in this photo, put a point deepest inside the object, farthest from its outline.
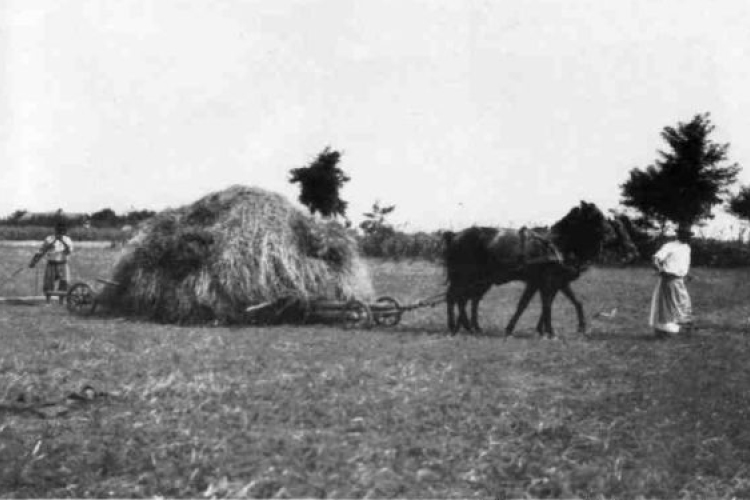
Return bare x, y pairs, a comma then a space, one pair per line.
709, 252
705, 252
397, 245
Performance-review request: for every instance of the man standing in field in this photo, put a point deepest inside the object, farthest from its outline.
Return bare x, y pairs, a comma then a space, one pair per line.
57, 248
670, 304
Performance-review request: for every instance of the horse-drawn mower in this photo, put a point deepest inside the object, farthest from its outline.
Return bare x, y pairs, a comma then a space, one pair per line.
385, 311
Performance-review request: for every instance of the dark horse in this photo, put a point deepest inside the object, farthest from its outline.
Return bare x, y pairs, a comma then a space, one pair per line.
546, 260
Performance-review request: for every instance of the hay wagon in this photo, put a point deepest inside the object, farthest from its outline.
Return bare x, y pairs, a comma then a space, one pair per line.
82, 299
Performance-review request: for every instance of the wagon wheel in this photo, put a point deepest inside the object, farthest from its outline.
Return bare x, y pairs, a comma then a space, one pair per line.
389, 312
81, 299
357, 315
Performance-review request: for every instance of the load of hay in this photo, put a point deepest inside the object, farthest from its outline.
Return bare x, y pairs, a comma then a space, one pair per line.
232, 249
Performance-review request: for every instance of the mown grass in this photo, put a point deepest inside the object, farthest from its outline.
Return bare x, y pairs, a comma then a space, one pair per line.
313, 411
86, 264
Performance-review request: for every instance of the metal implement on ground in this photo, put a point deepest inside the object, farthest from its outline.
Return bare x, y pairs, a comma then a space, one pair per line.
385, 311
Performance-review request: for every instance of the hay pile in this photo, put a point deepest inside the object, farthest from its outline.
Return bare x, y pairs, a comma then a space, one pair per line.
232, 249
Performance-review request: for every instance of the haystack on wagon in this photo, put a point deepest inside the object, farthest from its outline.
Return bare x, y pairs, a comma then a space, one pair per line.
232, 250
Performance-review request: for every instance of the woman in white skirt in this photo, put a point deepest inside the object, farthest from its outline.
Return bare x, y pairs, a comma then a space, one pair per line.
670, 304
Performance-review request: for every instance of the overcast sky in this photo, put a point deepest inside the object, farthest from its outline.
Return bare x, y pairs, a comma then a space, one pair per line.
458, 112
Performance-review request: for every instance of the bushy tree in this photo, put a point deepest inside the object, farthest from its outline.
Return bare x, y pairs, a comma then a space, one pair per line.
375, 220
136, 216
105, 218
376, 229
15, 217
687, 180
320, 183
739, 205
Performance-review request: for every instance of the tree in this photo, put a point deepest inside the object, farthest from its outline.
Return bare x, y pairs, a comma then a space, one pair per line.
375, 223
739, 205
105, 218
136, 216
377, 230
320, 183
15, 217
686, 182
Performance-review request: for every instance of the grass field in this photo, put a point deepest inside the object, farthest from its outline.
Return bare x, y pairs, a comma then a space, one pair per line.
313, 411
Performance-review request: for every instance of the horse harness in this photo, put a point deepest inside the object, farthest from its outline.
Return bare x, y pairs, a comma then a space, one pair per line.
525, 234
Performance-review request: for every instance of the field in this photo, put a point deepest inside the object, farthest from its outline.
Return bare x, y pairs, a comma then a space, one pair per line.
315, 411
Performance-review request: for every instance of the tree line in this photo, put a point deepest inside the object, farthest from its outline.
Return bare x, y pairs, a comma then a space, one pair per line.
688, 179
105, 218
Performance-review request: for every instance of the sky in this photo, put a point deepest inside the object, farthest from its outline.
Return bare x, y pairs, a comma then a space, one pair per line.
498, 113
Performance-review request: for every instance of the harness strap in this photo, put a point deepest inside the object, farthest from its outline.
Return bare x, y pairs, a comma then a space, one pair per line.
524, 231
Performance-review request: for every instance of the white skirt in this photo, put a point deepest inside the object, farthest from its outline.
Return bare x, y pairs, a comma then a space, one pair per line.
670, 305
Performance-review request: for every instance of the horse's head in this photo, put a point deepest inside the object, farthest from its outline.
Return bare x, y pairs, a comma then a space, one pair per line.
583, 232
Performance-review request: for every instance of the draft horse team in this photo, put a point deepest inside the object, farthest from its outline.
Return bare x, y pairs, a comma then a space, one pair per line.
547, 261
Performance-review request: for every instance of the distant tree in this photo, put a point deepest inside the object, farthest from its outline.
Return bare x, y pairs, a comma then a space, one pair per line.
686, 182
15, 217
377, 230
375, 220
136, 216
320, 183
105, 218
739, 205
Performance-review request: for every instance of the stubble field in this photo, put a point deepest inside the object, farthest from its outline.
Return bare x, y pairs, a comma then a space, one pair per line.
320, 411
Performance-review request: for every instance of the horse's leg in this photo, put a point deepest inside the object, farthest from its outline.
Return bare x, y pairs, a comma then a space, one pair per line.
568, 292
463, 319
540, 323
523, 303
548, 291
548, 296
450, 301
475, 299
